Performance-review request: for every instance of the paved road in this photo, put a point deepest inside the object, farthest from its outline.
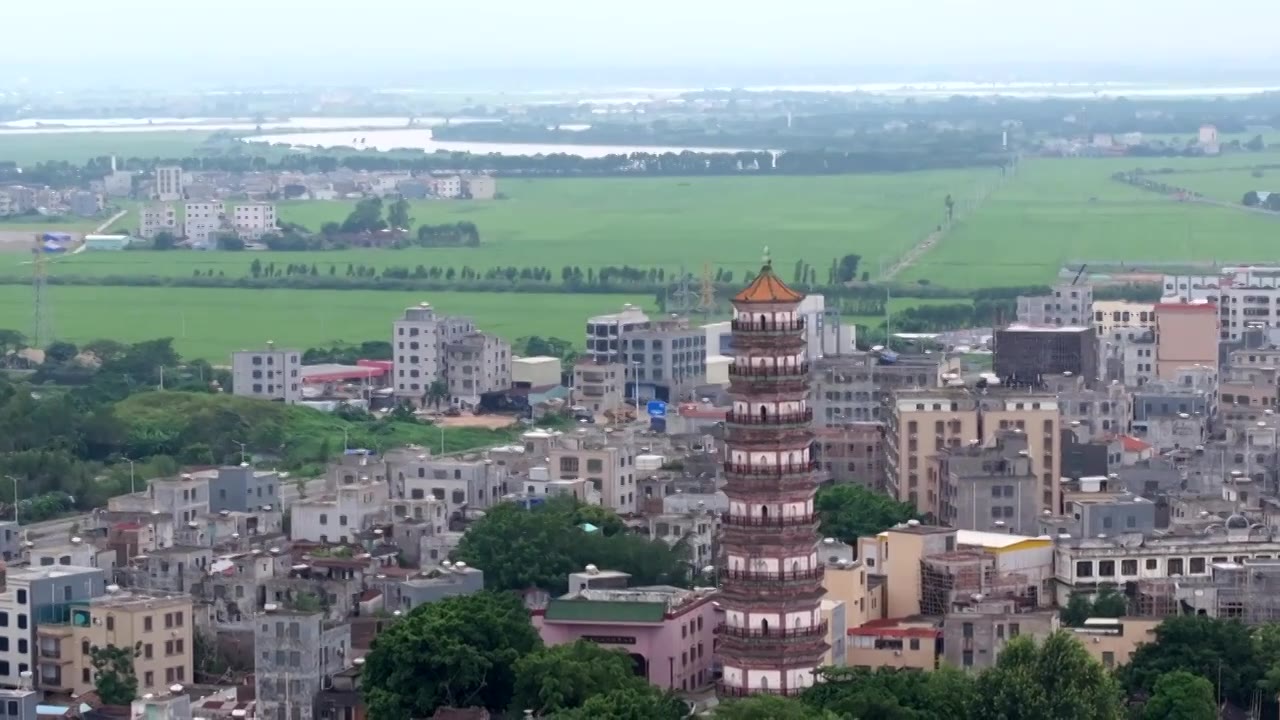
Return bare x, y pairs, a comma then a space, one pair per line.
62, 526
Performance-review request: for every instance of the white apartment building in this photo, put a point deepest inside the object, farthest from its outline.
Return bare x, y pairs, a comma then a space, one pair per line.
476, 364
604, 331
1242, 306
340, 516
168, 183
480, 187
608, 463
34, 596
447, 186
158, 218
269, 374
458, 483
420, 338
202, 220
253, 220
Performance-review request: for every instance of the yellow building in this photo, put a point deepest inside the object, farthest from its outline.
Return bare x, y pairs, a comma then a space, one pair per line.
1112, 641
158, 624
1112, 316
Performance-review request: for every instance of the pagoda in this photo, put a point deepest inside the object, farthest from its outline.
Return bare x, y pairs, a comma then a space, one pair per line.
773, 637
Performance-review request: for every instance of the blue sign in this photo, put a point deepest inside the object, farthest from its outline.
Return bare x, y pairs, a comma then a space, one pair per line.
657, 408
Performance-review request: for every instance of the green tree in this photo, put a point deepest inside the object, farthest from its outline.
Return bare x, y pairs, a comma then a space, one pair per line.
628, 703
769, 707
458, 652
1251, 199
563, 677
1204, 646
437, 392
1078, 609
1110, 603
1056, 679
1179, 695
164, 240
398, 214
848, 512
1257, 144
114, 677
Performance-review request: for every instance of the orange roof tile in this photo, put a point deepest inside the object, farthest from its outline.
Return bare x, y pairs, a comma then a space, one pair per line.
767, 288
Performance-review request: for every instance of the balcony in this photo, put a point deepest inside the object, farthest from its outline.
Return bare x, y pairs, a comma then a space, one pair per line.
724, 690
774, 576
785, 521
780, 420
813, 632
770, 470
767, 326
766, 372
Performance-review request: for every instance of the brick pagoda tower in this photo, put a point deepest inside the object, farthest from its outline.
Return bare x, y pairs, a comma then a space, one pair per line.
771, 578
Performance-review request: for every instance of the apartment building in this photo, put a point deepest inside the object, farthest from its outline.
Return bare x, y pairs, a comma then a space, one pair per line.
1024, 354
159, 624
157, 218
420, 338
446, 186
1111, 316
479, 187
339, 516
989, 488
1186, 336
1065, 305
922, 423
605, 331
201, 220
168, 183
269, 374
852, 453
253, 220
1242, 307
666, 360
84, 204
598, 387
844, 390
1091, 413
32, 597
295, 656
243, 488
460, 483
476, 364
608, 462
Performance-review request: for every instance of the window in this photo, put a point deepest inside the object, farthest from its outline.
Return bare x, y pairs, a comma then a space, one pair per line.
22, 646
146, 623
1197, 565
84, 647
149, 679
324, 519
84, 676
111, 623
22, 596
342, 520
1108, 659
1129, 567
1084, 568
967, 658
147, 651
915, 643
459, 497
1153, 563
1175, 566
1014, 630
22, 622
1106, 568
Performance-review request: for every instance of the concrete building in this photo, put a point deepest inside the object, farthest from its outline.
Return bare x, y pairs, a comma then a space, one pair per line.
32, 597
158, 218
665, 360
435, 584
242, 488
459, 483
202, 220
19, 704
853, 453
1112, 641
844, 390
1066, 306
598, 387
117, 183
479, 187
535, 372
1099, 506
253, 220
1024, 354
604, 333
84, 204
1110, 316
608, 462
159, 624
420, 338
294, 653
669, 633
975, 635
989, 488
1091, 413
168, 184
270, 374
1241, 307
340, 516
1186, 335
476, 364
446, 186
924, 422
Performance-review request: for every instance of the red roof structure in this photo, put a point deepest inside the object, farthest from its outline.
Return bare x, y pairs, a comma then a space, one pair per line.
767, 288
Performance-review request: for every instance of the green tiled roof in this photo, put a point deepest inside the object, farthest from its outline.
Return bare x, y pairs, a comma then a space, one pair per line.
597, 611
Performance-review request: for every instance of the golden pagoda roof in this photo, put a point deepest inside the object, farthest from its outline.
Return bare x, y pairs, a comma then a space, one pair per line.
767, 288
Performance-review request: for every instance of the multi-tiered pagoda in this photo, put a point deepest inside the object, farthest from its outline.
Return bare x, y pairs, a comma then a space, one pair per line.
771, 578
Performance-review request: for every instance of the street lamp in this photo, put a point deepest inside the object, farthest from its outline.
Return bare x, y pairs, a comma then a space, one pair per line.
132, 489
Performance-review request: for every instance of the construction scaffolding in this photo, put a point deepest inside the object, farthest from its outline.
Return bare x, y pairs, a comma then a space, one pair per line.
955, 580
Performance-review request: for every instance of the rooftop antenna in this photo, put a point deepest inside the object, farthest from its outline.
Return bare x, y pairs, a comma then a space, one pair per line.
42, 332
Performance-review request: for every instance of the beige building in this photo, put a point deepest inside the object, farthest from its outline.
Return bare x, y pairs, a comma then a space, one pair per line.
1110, 316
479, 187
253, 220
476, 364
895, 644
598, 387
608, 462
157, 218
159, 624
168, 183
922, 423
201, 220
1186, 335
849, 582
1112, 641
537, 371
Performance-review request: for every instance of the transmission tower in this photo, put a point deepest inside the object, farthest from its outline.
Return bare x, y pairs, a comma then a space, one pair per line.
706, 292
42, 332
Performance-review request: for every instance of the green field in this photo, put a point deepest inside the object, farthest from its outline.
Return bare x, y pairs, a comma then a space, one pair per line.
77, 147
1227, 185
210, 323
1059, 210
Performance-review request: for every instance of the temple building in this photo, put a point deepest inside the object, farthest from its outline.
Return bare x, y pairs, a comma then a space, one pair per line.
773, 636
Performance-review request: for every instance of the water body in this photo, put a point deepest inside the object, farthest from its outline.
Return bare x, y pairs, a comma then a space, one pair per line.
49, 126
421, 139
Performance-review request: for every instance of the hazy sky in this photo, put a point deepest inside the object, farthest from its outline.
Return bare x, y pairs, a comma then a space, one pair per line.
310, 38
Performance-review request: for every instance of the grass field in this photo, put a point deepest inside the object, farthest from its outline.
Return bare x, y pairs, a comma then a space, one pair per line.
647, 222
31, 148
1059, 210
210, 323
1227, 185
